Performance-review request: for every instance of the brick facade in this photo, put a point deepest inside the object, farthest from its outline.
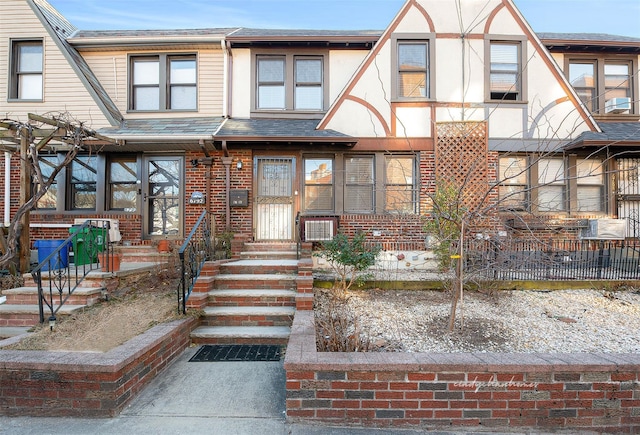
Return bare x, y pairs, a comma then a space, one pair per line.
434, 391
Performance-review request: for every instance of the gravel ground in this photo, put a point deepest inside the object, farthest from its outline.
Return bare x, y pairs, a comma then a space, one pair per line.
559, 321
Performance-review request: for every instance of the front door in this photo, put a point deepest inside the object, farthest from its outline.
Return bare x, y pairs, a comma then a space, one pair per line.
629, 194
162, 196
274, 198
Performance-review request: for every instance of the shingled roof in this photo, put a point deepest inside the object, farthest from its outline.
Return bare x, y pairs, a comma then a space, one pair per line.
613, 134
290, 130
59, 29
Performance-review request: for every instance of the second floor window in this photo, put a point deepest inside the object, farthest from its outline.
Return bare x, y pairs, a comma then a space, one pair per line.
27, 70
505, 83
583, 79
161, 83
290, 83
413, 69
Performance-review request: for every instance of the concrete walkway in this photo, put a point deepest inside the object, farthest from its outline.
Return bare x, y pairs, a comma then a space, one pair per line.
201, 398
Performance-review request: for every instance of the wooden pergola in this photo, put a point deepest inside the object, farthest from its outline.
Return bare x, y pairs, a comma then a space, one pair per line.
30, 138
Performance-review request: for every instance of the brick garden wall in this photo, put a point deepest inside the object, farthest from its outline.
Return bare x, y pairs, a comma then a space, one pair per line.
434, 391
83, 384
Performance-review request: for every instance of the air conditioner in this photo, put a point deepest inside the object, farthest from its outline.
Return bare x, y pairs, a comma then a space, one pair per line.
114, 227
319, 229
617, 105
605, 229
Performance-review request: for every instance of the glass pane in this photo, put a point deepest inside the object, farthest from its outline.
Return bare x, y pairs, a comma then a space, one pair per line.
358, 198
50, 199
399, 170
271, 97
146, 98
123, 196
123, 171
399, 199
513, 170
30, 87
359, 170
146, 72
412, 84
551, 198
504, 81
582, 75
550, 171
270, 70
84, 196
308, 98
275, 178
30, 58
412, 57
589, 171
616, 93
183, 97
318, 171
165, 216
590, 198
83, 169
318, 198
512, 197
308, 71
587, 96
183, 71
504, 57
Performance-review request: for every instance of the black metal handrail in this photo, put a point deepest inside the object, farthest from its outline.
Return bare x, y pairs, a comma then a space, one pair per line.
197, 248
87, 240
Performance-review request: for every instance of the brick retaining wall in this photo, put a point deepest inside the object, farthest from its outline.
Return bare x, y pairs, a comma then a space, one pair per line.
86, 384
598, 392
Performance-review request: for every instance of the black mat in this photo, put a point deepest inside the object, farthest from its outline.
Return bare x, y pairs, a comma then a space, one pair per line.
236, 352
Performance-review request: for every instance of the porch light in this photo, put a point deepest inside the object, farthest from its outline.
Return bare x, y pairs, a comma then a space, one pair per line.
239, 164
52, 322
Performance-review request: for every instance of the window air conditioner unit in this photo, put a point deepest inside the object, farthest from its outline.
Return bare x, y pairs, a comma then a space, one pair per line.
605, 229
617, 105
319, 229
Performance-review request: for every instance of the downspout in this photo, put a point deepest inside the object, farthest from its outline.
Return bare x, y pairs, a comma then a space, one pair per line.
7, 189
228, 79
226, 161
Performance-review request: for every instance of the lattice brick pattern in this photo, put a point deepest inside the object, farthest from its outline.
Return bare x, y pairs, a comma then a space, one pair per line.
461, 159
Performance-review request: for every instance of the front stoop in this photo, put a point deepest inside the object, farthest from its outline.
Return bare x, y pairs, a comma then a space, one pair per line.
250, 300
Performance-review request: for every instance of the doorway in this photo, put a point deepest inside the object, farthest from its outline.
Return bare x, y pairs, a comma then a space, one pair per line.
163, 196
274, 198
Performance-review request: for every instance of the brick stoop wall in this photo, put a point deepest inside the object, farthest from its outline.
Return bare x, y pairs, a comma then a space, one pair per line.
87, 384
599, 392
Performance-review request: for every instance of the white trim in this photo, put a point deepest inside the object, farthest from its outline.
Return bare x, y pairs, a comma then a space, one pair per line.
42, 225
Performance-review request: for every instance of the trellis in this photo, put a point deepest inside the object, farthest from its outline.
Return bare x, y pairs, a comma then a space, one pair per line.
461, 151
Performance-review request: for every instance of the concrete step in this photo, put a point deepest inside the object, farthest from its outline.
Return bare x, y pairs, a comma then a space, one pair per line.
241, 335
29, 295
248, 316
262, 266
256, 281
252, 297
257, 255
29, 315
13, 331
270, 246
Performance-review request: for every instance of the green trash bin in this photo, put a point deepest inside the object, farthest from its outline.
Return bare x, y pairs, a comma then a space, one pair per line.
87, 243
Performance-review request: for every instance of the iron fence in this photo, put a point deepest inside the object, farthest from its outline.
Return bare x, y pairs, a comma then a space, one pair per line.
553, 260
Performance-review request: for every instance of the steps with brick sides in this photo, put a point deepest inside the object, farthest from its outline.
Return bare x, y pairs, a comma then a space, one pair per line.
253, 299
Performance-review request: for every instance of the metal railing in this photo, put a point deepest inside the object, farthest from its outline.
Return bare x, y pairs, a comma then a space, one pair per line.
197, 248
55, 277
553, 260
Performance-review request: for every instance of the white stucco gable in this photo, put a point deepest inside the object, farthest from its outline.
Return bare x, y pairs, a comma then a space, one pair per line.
458, 36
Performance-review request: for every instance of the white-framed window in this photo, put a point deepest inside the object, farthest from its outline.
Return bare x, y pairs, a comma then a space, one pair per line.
163, 83
27, 66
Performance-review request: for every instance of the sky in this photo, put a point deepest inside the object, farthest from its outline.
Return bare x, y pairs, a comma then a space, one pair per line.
617, 17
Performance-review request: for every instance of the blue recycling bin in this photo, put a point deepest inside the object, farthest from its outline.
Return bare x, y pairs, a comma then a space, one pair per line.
46, 247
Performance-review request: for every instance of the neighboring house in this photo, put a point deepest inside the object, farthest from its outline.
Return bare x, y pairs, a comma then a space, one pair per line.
324, 129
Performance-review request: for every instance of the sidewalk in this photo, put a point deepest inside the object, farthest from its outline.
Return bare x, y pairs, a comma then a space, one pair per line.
201, 398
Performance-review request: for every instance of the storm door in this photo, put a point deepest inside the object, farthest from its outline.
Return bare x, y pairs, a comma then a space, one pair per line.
274, 198
163, 196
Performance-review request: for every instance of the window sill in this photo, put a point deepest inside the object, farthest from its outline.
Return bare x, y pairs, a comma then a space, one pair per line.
162, 111
507, 102
399, 100
614, 117
293, 114
18, 100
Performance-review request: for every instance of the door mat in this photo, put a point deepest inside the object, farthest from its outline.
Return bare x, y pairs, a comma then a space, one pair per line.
236, 352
